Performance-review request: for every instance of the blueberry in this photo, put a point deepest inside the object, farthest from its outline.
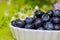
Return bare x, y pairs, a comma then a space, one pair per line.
57, 26
45, 17
40, 28
29, 26
20, 23
29, 20
50, 13
38, 13
57, 13
55, 20
13, 23
49, 26
38, 22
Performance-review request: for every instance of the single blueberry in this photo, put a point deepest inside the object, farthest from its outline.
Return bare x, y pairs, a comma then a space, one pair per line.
20, 23
29, 20
13, 23
38, 22
57, 13
50, 13
45, 17
29, 26
49, 26
55, 20
57, 26
38, 13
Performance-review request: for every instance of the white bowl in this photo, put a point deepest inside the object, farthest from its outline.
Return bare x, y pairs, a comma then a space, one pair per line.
29, 34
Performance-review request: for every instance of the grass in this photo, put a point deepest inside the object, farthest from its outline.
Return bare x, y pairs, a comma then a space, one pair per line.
5, 34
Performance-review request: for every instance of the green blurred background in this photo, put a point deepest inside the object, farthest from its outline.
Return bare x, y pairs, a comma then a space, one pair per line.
9, 8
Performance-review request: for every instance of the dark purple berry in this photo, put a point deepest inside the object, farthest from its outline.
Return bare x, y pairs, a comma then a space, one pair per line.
38, 13
29, 20
45, 17
20, 23
57, 13
38, 22
57, 26
50, 13
49, 26
55, 20
29, 26
13, 23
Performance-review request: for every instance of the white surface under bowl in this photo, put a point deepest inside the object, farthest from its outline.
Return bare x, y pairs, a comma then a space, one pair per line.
28, 34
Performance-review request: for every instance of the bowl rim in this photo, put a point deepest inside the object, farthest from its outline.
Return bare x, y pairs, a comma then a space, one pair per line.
33, 29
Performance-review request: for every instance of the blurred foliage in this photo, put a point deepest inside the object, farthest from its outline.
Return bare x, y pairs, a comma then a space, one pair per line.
14, 6
32, 3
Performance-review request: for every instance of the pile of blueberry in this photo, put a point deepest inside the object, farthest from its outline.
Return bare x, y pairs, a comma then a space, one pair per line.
41, 21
